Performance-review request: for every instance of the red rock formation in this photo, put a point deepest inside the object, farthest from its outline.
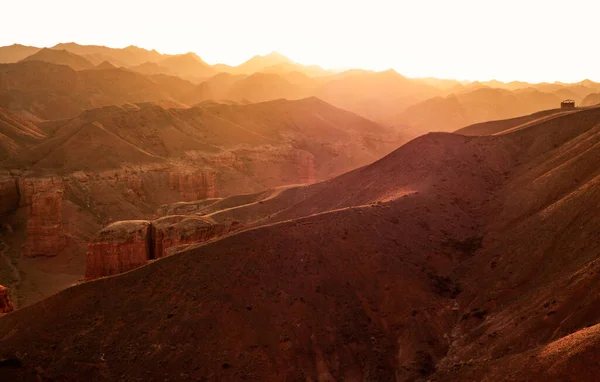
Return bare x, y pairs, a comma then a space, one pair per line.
118, 248
43, 198
9, 193
129, 244
194, 185
171, 231
5, 305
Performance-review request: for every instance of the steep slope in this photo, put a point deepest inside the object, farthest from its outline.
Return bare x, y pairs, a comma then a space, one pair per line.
541, 265
476, 256
60, 57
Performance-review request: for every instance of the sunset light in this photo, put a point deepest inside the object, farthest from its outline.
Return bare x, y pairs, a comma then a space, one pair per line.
464, 39
316, 191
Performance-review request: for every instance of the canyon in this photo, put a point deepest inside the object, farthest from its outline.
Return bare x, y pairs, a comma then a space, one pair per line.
123, 163
475, 255
164, 218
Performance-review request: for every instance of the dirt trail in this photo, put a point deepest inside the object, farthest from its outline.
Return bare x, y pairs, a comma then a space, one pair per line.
276, 191
536, 121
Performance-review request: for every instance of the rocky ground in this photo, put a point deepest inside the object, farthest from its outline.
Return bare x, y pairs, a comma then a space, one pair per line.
452, 258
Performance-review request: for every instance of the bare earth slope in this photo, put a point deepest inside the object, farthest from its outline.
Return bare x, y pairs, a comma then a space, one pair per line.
62, 180
504, 125
477, 255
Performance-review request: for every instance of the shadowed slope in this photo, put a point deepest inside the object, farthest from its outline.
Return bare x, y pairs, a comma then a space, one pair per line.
451, 258
257, 299
16, 133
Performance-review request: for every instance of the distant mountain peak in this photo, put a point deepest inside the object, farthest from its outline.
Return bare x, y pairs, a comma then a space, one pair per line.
276, 55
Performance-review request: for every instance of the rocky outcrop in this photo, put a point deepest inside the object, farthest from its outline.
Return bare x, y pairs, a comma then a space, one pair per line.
44, 232
118, 248
9, 193
126, 245
194, 185
5, 305
171, 231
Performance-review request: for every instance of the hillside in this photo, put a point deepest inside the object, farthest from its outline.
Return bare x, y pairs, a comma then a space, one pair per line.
16, 133
592, 99
150, 68
65, 179
308, 124
451, 258
504, 125
415, 106
466, 108
50, 91
379, 96
260, 87
60, 57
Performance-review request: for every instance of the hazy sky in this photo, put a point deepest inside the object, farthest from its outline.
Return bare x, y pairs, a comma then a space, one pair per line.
530, 40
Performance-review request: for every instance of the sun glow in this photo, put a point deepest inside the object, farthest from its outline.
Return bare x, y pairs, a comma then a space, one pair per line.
466, 39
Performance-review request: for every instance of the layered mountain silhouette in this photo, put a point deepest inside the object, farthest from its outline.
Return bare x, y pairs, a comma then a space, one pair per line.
164, 218
16, 52
50, 91
484, 104
188, 66
129, 56
414, 105
454, 257
60, 57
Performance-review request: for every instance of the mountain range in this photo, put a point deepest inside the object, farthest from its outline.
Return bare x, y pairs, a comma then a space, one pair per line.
162, 218
415, 106
454, 257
